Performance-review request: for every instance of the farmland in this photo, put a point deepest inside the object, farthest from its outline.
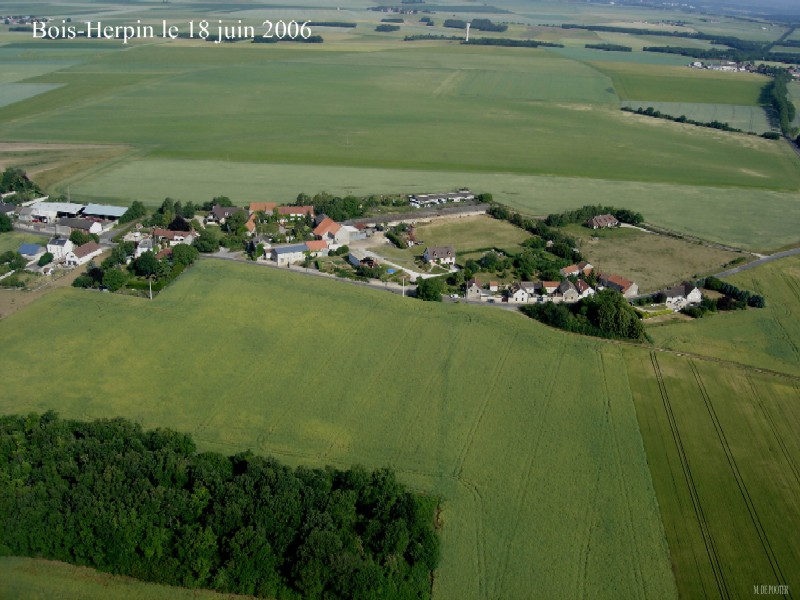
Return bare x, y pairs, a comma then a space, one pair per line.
29, 579
499, 532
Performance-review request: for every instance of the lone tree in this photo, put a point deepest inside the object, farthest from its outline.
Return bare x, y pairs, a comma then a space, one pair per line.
431, 289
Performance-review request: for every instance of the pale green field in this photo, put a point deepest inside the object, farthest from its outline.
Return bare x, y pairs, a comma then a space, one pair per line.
746, 118
544, 493
767, 337
17, 92
32, 579
682, 84
754, 219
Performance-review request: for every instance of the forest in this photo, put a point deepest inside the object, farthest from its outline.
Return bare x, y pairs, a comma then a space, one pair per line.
146, 504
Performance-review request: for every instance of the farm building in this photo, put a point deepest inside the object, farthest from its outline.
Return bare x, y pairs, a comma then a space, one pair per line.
602, 221
83, 254
317, 247
624, 286
441, 255
265, 207
358, 258
49, 212
59, 248
286, 255
104, 212
84, 225
420, 200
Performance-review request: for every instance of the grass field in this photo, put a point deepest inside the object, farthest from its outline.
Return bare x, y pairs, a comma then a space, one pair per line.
652, 261
477, 435
767, 338
12, 240
746, 118
31, 579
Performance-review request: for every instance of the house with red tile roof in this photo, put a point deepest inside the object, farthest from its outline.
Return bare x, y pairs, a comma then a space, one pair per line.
83, 254
624, 286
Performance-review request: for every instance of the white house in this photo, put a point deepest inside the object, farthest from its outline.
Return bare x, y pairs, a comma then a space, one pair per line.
584, 289
142, 247
83, 254
442, 255
59, 248
286, 255
682, 295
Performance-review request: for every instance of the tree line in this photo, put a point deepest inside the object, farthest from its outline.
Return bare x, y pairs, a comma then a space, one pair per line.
583, 214
609, 47
722, 126
606, 314
479, 24
511, 43
146, 504
778, 94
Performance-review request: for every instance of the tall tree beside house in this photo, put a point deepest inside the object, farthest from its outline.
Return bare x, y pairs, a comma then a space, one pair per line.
79, 238
45, 259
114, 279
5, 223
430, 289
145, 265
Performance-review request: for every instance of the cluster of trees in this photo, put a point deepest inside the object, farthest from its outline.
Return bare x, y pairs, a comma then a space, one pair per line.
135, 211
739, 56
113, 275
511, 43
562, 245
386, 28
175, 215
427, 20
146, 504
79, 238
609, 47
606, 314
347, 207
5, 223
16, 180
12, 260
583, 214
479, 24
393, 20
431, 289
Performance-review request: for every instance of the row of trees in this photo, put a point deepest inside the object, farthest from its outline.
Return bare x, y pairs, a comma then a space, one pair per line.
606, 314
778, 95
747, 297
651, 112
609, 47
510, 43
146, 504
479, 24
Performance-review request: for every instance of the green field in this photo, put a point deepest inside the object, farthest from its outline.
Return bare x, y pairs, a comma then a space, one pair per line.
12, 240
768, 338
746, 118
535, 497
32, 579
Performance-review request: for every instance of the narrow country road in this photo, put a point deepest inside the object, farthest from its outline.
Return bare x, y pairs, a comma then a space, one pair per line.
759, 262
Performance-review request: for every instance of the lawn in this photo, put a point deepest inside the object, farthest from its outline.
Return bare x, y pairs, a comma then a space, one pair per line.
12, 240
653, 261
548, 489
767, 337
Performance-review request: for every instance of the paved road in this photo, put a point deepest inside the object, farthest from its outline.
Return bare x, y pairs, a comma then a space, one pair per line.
759, 262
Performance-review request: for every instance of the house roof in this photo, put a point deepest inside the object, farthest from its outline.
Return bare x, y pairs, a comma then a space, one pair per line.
440, 251
171, 235
680, 291
84, 224
583, 265
267, 207
290, 249
571, 270
29, 249
618, 281
582, 286
58, 242
65, 207
86, 249
493, 284
327, 225
105, 210
530, 286
223, 212
7, 208
251, 223
24, 210
602, 221
295, 210
164, 252
317, 245
475, 281
566, 286
551, 284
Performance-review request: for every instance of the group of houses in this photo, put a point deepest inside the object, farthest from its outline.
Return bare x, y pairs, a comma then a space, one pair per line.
64, 252
572, 289
427, 200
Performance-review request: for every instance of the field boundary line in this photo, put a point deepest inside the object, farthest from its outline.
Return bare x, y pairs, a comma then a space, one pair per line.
705, 530
745, 493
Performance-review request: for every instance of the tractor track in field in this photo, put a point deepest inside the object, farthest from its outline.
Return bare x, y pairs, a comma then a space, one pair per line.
623, 489
774, 429
529, 464
705, 530
745, 493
